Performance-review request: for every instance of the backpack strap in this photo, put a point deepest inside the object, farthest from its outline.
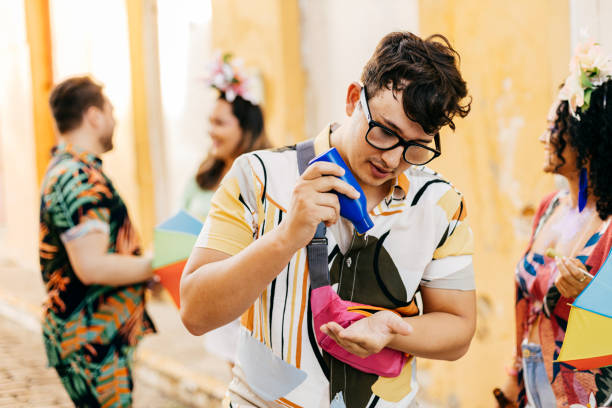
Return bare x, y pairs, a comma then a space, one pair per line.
318, 268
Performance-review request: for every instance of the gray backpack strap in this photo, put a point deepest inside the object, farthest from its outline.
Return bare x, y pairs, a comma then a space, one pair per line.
318, 268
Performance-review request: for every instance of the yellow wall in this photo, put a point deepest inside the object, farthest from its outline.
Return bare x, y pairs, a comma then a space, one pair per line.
266, 35
141, 104
39, 40
513, 56
23, 131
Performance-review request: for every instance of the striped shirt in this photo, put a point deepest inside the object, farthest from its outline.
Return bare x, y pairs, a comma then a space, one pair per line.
420, 237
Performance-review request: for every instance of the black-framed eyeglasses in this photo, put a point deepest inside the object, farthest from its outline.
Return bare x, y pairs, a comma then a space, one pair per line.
382, 138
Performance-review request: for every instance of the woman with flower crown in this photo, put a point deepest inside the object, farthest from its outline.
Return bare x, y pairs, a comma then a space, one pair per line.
236, 127
571, 239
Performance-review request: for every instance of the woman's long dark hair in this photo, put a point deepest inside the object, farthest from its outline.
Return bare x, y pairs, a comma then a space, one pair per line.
250, 120
590, 135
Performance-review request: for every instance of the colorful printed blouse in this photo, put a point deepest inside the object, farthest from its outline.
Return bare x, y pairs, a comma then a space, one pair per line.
537, 296
82, 324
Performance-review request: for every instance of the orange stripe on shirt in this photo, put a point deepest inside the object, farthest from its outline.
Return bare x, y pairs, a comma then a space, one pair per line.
261, 184
264, 318
247, 317
288, 403
296, 269
275, 203
390, 213
298, 353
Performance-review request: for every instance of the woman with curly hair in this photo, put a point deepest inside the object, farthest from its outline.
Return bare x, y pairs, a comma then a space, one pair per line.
570, 241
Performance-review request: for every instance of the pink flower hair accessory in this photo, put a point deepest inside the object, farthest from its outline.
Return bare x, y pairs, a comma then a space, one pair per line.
228, 75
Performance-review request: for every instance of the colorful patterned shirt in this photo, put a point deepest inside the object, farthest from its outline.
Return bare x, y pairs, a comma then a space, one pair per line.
537, 298
84, 326
420, 237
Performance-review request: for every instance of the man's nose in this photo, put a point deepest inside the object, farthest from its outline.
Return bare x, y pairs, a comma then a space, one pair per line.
393, 157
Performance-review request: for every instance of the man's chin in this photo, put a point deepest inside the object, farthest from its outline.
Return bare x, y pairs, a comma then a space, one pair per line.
372, 181
107, 147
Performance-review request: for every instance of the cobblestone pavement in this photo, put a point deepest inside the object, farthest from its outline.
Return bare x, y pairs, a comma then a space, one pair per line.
25, 381
172, 369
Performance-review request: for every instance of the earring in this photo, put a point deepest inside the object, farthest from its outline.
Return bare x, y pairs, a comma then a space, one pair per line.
583, 189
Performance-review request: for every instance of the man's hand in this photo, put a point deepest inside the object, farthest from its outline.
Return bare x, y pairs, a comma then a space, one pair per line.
573, 277
369, 335
313, 202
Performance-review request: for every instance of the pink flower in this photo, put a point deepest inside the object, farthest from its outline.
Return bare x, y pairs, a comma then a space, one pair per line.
228, 76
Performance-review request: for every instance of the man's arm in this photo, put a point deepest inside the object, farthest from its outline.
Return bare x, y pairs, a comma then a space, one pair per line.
443, 332
94, 265
216, 287
445, 329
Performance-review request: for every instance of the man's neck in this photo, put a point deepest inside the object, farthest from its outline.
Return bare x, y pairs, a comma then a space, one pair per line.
82, 140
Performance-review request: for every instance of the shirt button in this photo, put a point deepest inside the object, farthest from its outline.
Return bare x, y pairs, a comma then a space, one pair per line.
349, 261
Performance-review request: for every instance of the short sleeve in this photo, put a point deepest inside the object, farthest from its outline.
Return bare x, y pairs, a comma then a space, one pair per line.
451, 266
77, 201
230, 226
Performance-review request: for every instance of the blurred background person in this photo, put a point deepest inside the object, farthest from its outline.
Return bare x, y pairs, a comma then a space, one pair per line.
94, 274
236, 127
570, 241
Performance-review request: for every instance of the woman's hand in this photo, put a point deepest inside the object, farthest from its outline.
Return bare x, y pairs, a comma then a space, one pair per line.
573, 277
510, 392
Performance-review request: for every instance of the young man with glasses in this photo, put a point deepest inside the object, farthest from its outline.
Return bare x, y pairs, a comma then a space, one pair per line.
250, 258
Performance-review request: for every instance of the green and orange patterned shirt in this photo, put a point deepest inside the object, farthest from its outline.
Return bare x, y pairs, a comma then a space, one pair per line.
83, 324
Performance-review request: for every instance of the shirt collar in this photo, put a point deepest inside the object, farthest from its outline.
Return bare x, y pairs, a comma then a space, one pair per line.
77, 153
321, 142
398, 191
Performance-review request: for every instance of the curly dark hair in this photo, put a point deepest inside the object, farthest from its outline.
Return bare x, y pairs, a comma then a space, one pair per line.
590, 135
425, 71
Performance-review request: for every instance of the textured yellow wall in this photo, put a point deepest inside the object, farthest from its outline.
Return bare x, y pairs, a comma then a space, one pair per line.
513, 56
266, 35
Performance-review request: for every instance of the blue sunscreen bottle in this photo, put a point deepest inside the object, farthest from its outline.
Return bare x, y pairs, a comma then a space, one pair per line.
356, 211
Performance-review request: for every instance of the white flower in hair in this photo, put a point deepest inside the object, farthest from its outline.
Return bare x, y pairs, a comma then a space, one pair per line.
589, 68
230, 77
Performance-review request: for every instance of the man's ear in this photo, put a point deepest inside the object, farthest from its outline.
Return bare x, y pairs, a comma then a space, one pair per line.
93, 116
352, 97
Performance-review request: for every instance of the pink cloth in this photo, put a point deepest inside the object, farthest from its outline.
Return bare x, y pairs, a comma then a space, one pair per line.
326, 307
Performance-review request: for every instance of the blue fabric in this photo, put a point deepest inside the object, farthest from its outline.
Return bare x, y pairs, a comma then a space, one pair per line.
537, 258
596, 296
593, 240
583, 190
528, 267
537, 385
182, 222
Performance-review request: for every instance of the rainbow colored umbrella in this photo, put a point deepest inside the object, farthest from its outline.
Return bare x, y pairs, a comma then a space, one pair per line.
587, 342
173, 241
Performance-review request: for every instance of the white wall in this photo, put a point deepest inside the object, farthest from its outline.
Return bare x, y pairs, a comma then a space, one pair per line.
18, 187
595, 16
84, 45
184, 48
338, 37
